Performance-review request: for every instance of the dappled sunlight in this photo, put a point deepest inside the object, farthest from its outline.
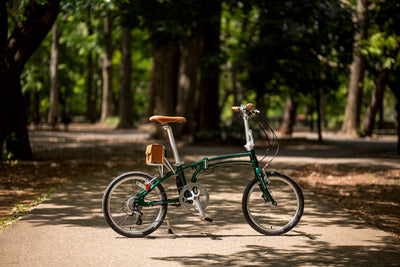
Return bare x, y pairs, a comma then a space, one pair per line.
315, 254
74, 212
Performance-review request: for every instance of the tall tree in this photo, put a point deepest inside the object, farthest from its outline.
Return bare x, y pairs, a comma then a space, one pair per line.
289, 116
106, 101
351, 123
188, 77
125, 90
376, 103
394, 84
383, 54
161, 20
90, 68
163, 78
151, 95
15, 50
209, 110
54, 90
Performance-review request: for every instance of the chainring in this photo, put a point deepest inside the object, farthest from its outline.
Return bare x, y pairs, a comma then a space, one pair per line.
191, 191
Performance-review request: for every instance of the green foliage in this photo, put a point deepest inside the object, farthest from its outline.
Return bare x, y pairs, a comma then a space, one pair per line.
378, 48
293, 37
269, 49
381, 49
384, 36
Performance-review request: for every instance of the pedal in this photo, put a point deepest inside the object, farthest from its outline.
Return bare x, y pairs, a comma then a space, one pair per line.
206, 219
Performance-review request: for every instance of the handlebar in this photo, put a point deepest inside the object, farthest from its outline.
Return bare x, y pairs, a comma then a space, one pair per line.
248, 106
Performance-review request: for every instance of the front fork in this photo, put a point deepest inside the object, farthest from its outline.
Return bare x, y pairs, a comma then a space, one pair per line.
263, 186
262, 179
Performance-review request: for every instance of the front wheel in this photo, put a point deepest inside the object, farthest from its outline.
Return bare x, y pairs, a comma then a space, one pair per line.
122, 208
267, 218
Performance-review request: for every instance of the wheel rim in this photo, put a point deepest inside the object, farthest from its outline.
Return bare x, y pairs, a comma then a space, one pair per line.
269, 217
128, 217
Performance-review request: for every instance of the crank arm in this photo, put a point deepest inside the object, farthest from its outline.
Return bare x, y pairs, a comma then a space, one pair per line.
198, 205
203, 215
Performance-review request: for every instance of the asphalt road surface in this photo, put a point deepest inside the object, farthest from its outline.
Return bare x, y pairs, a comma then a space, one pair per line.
69, 229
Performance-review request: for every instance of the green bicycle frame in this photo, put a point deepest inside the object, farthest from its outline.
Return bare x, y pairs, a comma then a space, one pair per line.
203, 165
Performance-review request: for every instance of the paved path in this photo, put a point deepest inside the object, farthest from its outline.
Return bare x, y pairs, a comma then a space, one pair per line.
69, 230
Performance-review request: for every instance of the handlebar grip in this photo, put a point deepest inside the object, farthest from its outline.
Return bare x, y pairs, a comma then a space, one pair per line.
249, 106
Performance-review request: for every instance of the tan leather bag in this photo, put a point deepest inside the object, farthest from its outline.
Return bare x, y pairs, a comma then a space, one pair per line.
155, 154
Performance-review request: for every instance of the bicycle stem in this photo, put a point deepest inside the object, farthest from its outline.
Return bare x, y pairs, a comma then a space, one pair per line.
249, 134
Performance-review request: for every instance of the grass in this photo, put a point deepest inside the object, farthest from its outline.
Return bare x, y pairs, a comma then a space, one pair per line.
21, 210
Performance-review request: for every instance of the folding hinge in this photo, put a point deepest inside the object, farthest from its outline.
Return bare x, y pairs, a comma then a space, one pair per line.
205, 163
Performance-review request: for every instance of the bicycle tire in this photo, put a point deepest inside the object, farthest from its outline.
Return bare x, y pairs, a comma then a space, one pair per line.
267, 218
133, 220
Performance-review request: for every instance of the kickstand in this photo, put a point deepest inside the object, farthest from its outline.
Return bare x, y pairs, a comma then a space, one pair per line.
169, 225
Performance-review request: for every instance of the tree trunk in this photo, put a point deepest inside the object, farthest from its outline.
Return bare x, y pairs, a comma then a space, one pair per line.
54, 90
377, 95
351, 123
90, 97
319, 107
106, 102
15, 134
381, 120
323, 105
151, 96
98, 85
188, 81
398, 124
90, 85
15, 51
237, 89
376, 102
35, 115
289, 117
396, 91
125, 91
209, 112
164, 79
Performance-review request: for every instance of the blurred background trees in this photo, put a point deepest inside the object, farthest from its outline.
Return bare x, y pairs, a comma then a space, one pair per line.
322, 64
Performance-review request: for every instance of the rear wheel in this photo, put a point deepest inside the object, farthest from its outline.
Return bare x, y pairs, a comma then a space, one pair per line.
122, 210
267, 218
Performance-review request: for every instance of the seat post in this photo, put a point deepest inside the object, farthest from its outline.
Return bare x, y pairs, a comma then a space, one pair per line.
178, 162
